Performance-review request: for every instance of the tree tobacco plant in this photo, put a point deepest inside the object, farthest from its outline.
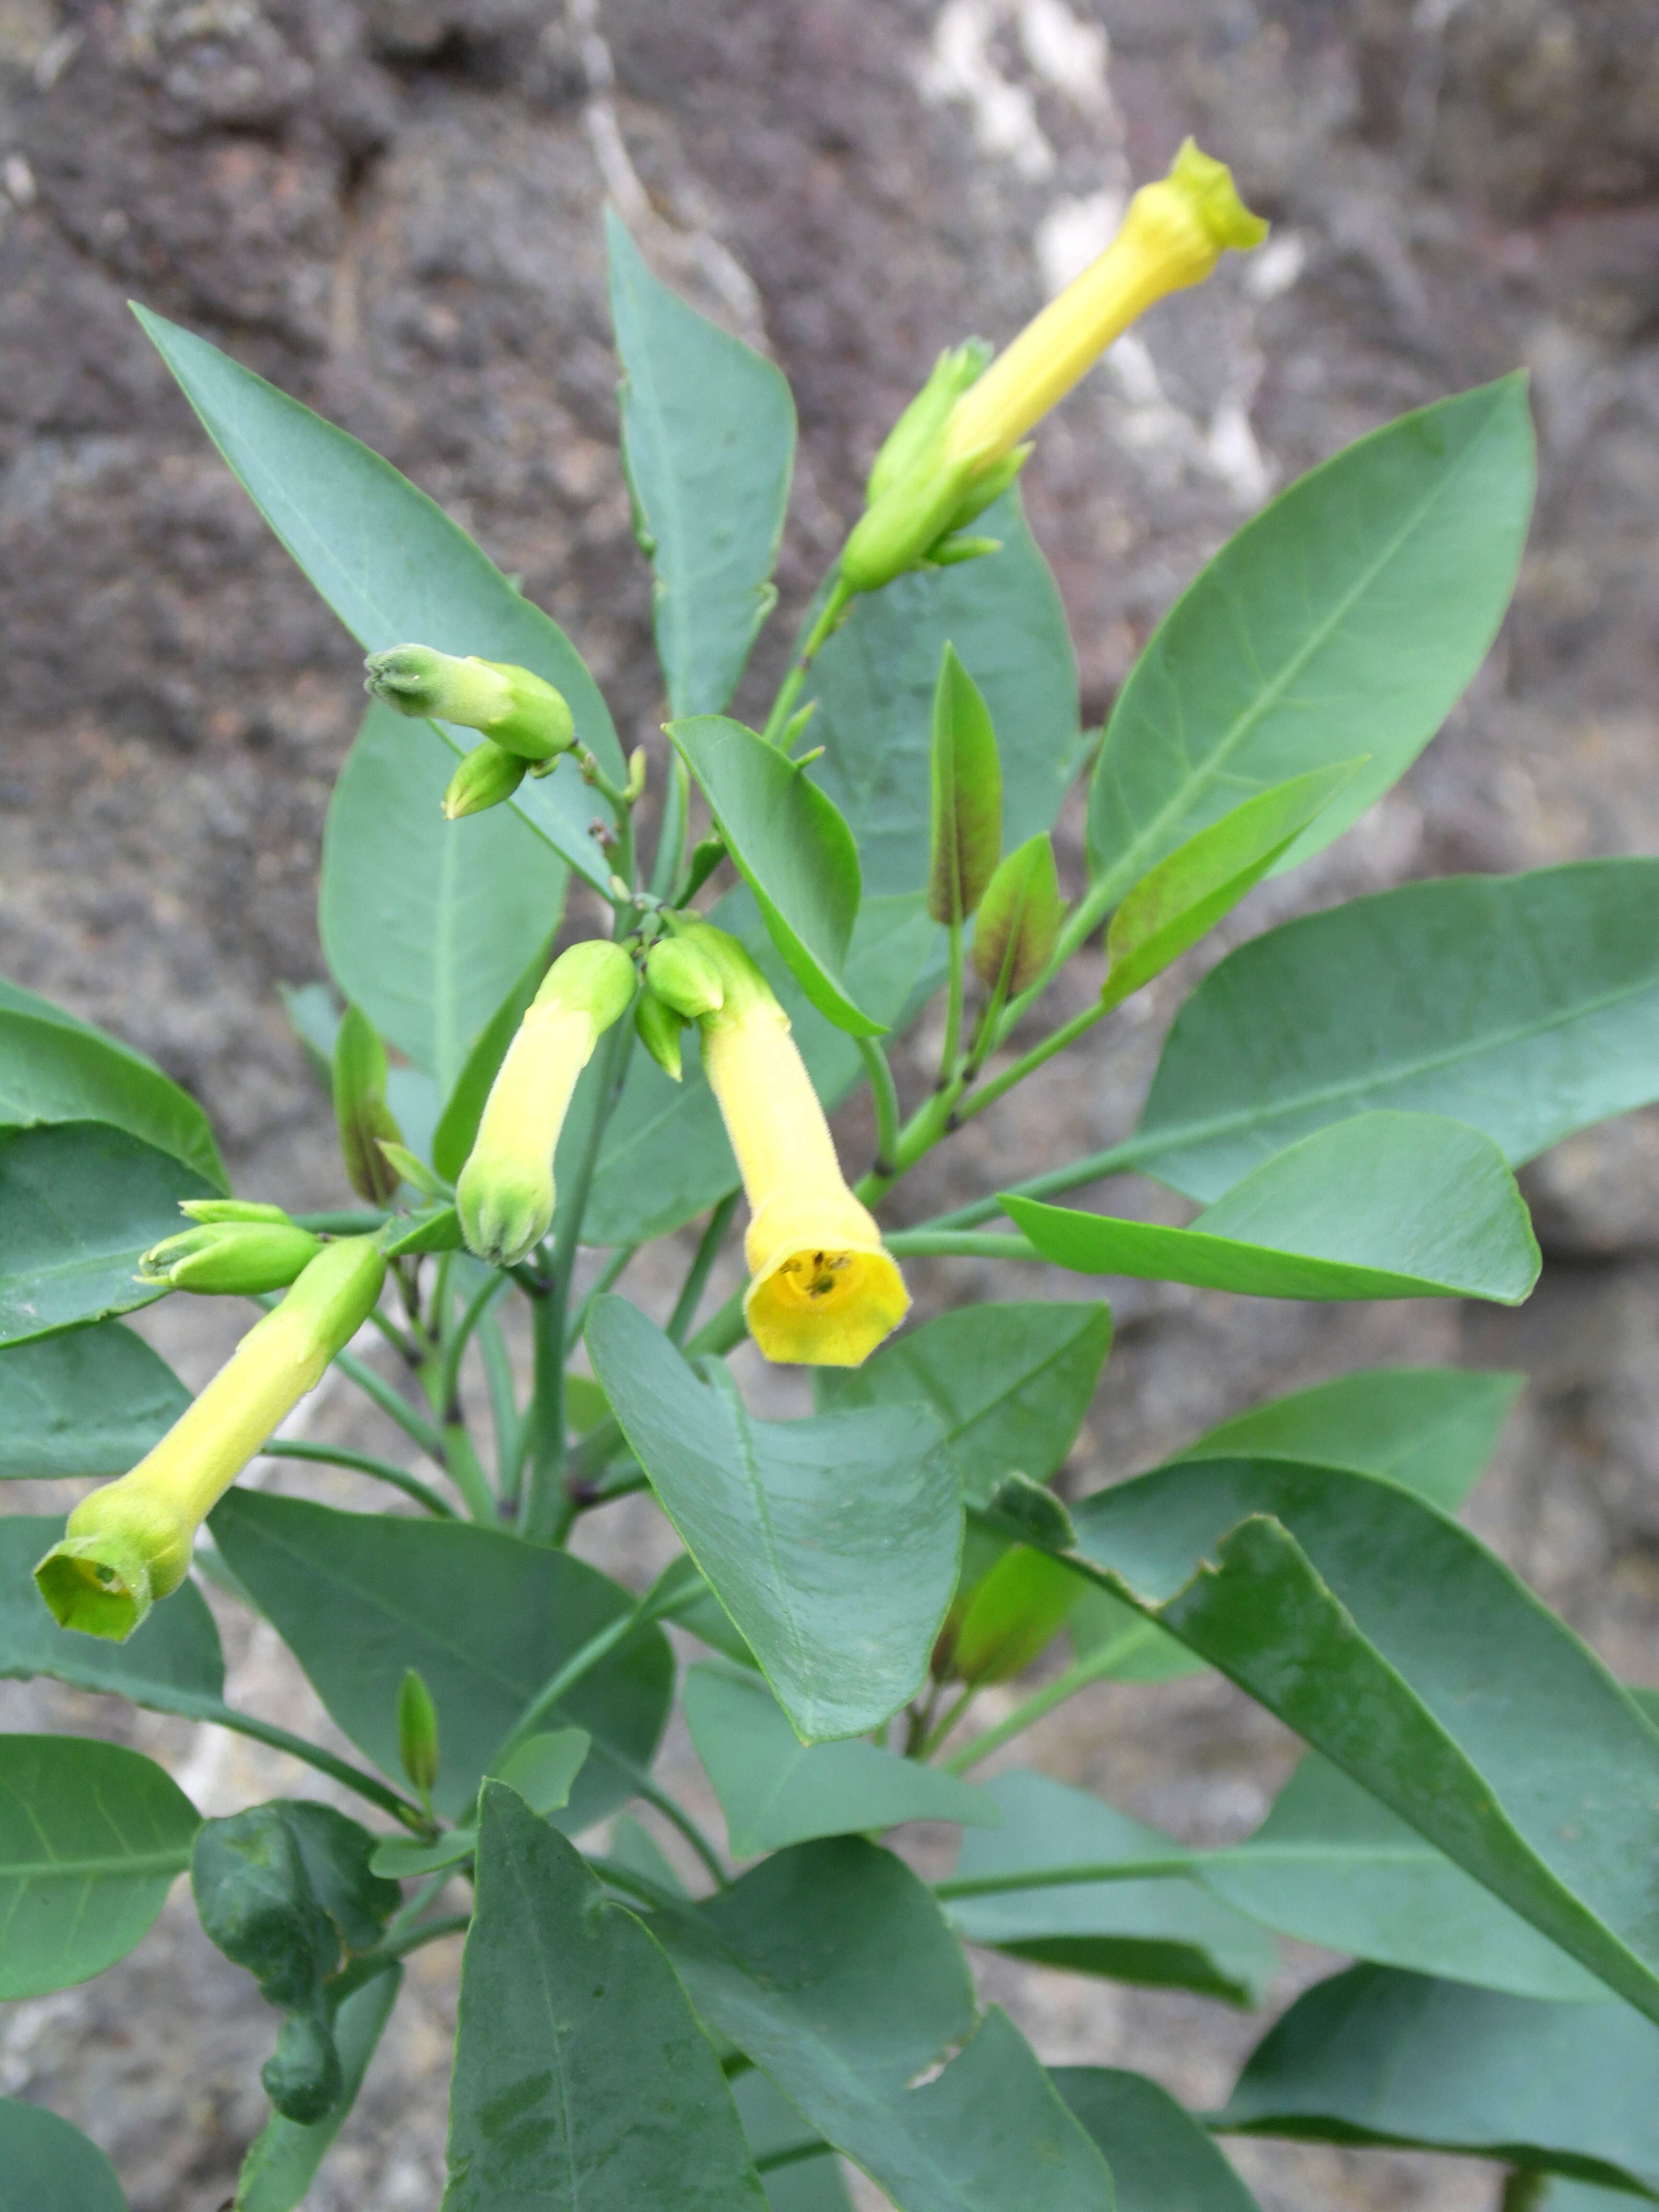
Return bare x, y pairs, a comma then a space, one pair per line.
1345, 1096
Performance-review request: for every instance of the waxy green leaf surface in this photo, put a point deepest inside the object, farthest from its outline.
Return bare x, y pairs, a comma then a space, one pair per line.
92, 1401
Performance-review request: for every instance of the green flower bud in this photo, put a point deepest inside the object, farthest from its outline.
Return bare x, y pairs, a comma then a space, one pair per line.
129, 1542
919, 426
361, 1112
229, 1209
487, 776
505, 1196
231, 1259
684, 976
659, 1028
417, 1732
517, 710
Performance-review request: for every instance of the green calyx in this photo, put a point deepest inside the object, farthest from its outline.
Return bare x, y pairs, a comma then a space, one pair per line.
919, 426
237, 1258
597, 979
487, 776
511, 706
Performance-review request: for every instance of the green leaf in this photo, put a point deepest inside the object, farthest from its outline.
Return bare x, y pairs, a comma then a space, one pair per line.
1526, 1005
790, 847
830, 1966
91, 1837
1384, 1206
1161, 2159
665, 1159
583, 2082
173, 1662
1375, 2056
78, 1205
457, 1125
965, 839
709, 440
1140, 1921
52, 1072
485, 1620
362, 1118
50, 2167
428, 924
774, 2128
540, 1770
282, 2160
1429, 1429
1367, 1622
1345, 618
775, 1791
90, 1403
282, 1889
1010, 1385
1329, 1865
831, 1542
1019, 921
1183, 897
393, 566
1009, 1619
874, 684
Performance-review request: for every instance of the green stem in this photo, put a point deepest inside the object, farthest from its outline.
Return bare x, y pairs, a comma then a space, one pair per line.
365, 1786
677, 1814
392, 1404
341, 1223
936, 1736
423, 1932
461, 1335
671, 837
722, 1331
428, 1890
697, 1280
1068, 1877
770, 2161
1090, 1668
360, 1463
461, 1458
1018, 1070
580, 1662
961, 1244
885, 1093
949, 1050
835, 605
503, 1413
1090, 1169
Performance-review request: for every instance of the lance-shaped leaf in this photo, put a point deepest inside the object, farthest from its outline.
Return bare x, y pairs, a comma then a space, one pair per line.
1160, 2157
411, 1094
1010, 1383
282, 2160
1388, 1637
1020, 918
55, 1070
583, 2082
1329, 1865
1185, 896
79, 1206
1345, 618
1385, 1205
51, 2166
1375, 2056
874, 684
92, 1837
1068, 1882
90, 1403
1526, 1005
831, 1968
360, 1113
831, 1542
1429, 1429
965, 836
708, 439
1007, 1617
172, 1661
781, 2139
773, 1791
394, 568
486, 1620
428, 924
792, 849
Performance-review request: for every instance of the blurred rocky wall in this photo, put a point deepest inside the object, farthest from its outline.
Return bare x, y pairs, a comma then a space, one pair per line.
391, 207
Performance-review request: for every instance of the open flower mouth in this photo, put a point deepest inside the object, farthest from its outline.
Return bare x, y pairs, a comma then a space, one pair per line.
823, 1306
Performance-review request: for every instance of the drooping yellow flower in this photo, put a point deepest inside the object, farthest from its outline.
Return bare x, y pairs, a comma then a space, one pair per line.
1173, 235
128, 1544
505, 1196
822, 1292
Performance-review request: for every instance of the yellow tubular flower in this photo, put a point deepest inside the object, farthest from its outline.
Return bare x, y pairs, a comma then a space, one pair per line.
130, 1543
505, 1195
822, 1290
1173, 235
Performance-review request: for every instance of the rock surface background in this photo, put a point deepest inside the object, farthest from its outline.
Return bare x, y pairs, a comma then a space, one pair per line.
391, 208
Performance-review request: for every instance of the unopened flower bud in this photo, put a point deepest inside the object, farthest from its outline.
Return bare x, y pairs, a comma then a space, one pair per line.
417, 1732
659, 1028
362, 1115
506, 1194
516, 709
487, 776
229, 1209
128, 1543
684, 977
231, 1259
